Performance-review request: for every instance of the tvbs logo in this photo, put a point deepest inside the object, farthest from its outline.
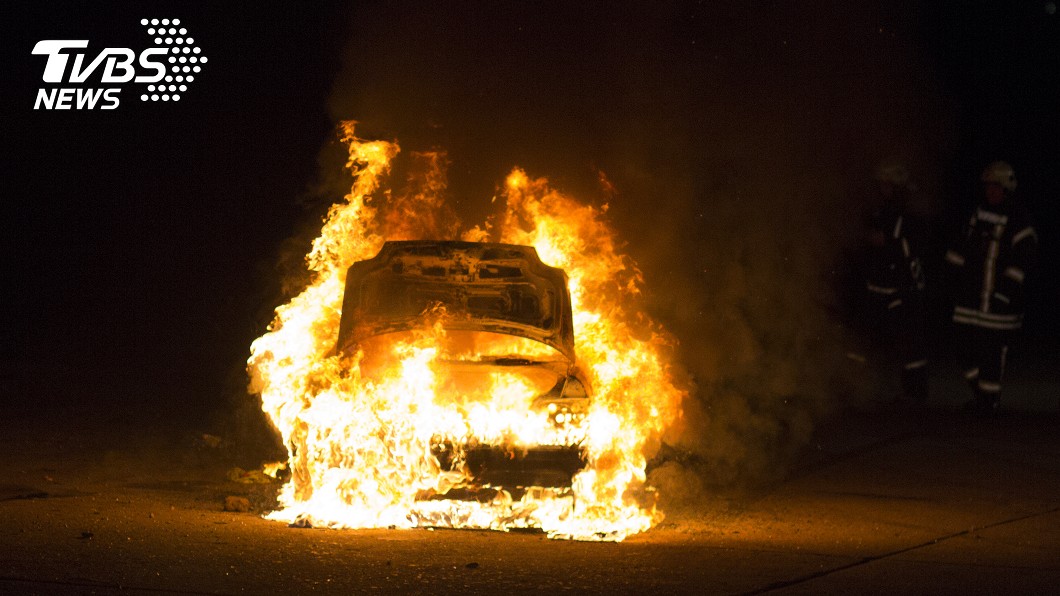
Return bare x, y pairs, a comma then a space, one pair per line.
165, 69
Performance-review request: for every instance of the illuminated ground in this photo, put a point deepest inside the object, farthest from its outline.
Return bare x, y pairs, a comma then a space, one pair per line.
882, 503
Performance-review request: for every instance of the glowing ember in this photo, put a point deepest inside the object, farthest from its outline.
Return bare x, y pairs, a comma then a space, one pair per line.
366, 428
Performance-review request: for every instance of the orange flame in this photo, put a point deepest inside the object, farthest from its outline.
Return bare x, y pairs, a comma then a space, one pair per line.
359, 428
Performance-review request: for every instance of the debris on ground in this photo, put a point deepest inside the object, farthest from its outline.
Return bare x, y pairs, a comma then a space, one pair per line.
248, 476
237, 504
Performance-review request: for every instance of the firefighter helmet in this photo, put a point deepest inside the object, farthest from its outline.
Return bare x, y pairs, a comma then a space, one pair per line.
893, 172
1000, 172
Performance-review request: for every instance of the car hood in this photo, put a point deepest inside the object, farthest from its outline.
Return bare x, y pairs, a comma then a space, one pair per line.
499, 288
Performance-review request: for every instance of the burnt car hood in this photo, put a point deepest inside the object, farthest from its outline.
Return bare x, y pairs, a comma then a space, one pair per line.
499, 288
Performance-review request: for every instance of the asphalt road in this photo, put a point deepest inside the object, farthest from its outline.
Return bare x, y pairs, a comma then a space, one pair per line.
933, 502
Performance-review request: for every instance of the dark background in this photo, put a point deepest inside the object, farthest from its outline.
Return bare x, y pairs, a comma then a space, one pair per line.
145, 247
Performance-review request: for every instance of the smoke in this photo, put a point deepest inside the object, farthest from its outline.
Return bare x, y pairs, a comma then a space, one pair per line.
733, 141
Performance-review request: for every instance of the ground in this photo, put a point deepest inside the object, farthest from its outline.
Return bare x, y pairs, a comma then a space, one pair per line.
882, 502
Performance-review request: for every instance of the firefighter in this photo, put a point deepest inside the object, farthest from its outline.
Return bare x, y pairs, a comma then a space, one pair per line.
894, 277
991, 260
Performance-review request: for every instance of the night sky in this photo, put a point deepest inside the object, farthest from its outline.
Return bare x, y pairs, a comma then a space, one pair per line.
147, 245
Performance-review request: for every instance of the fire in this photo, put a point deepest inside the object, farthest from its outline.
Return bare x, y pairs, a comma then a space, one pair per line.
363, 430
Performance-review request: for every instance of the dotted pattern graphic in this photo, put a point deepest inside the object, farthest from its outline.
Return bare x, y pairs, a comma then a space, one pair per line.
184, 59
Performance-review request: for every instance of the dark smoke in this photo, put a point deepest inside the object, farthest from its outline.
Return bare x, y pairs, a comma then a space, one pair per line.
737, 139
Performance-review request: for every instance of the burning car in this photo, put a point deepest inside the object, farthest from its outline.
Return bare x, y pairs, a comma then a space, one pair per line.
429, 383
506, 321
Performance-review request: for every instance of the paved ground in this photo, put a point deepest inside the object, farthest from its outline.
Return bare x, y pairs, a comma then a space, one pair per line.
882, 503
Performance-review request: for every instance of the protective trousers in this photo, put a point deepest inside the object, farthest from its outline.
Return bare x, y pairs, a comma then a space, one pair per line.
906, 327
981, 355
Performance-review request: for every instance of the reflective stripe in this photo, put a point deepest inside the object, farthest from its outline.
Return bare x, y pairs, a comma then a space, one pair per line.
1002, 298
856, 357
955, 258
998, 325
898, 227
999, 318
1027, 231
905, 248
917, 364
964, 310
988, 271
989, 216
971, 374
989, 386
881, 290
1014, 273
968, 313
985, 316
895, 303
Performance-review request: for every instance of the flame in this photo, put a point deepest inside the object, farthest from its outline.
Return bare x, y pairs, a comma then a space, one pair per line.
360, 428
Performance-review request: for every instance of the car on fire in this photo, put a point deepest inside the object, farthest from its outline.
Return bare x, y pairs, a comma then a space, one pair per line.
488, 292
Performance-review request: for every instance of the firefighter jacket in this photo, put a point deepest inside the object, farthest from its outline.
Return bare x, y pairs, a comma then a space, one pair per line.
991, 260
893, 271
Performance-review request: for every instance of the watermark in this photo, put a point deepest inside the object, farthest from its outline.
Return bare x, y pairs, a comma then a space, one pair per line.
161, 72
